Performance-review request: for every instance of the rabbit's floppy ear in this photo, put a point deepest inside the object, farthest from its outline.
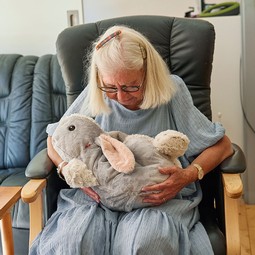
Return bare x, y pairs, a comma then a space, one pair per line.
117, 153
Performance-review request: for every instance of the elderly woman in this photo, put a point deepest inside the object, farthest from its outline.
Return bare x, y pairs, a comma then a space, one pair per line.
131, 90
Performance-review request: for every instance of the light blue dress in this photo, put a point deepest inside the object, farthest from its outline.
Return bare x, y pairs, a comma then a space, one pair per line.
81, 226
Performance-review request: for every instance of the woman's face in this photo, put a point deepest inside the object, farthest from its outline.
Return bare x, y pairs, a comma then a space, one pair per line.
122, 80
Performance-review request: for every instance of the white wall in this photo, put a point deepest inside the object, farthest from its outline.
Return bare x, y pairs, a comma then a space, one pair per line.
225, 81
97, 10
31, 26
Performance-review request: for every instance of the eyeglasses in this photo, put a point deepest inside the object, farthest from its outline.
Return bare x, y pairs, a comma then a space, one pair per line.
125, 88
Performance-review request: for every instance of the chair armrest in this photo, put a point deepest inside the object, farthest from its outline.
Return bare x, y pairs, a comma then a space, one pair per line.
40, 166
234, 164
32, 189
233, 189
9, 196
32, 194
233, 185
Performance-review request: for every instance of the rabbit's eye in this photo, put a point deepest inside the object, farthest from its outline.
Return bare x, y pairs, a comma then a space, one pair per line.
71, 128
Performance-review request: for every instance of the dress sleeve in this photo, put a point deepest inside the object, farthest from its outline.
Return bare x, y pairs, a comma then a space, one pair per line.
78, 106
188, 119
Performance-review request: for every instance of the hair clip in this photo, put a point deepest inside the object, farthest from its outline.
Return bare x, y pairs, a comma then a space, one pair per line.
107, 39
143, 52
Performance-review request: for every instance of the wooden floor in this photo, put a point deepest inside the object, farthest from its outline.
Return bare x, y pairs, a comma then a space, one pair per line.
247, 228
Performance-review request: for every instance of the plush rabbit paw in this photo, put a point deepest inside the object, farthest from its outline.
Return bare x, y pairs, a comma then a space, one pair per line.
77, 174
171, 142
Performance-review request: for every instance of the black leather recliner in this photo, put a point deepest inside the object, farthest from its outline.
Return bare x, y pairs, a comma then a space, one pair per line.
187, 46
32, 95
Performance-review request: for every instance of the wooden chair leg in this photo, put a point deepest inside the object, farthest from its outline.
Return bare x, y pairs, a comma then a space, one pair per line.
233, 189
9, 196
232, 226
36, 218
32, 193
6, 233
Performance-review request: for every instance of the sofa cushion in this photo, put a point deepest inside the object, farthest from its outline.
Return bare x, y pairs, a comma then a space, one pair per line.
32, 94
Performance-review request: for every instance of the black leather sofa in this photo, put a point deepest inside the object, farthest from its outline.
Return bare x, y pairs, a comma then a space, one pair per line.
32, 94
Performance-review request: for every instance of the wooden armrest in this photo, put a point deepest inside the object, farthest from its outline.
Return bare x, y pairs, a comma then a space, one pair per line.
233, 189
8, 197
32, 190
233, 185
32, 194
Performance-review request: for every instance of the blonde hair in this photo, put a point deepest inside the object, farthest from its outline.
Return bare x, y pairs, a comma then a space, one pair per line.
129, 50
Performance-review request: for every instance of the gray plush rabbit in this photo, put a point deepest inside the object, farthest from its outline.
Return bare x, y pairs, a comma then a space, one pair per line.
116, 165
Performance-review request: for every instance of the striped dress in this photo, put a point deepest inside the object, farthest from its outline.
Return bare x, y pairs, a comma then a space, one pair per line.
81, 226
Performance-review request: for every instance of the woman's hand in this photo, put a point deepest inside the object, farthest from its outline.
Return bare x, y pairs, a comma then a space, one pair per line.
91, 193
178, 179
